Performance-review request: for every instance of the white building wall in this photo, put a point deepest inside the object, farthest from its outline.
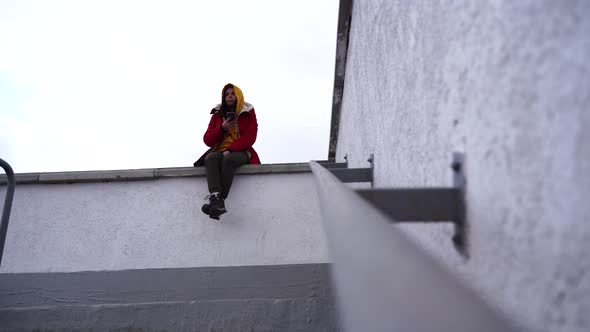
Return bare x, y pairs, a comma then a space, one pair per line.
508, 84
272, 219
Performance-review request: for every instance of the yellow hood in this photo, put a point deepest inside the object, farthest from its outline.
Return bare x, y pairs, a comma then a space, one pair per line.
232, 134
239, 96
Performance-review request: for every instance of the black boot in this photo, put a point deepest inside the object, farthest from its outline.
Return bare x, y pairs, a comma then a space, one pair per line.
206, 208
216, 206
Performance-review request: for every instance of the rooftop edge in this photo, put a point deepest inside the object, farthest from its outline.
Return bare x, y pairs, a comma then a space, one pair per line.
147, 173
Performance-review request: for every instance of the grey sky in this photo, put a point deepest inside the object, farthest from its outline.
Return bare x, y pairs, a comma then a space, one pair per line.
129, 84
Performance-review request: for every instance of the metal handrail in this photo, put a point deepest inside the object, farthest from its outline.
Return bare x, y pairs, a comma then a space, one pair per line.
7, 204
383, 280
427, 204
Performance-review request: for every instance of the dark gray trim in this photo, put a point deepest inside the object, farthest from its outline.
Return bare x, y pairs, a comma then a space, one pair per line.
147, 174
344, 20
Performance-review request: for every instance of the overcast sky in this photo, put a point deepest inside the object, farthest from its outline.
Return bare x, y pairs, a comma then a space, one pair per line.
117, 84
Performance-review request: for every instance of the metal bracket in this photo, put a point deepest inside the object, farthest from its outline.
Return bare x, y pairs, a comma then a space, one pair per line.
332, 165
349, 175
427, 205
460, 238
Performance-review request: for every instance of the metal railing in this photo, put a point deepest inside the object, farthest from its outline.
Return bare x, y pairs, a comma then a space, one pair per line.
7, 204
426, 205
383, 280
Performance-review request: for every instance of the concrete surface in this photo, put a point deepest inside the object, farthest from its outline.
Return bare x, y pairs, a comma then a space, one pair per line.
272, 219
315, 314
507, 83
244, 298
20, 290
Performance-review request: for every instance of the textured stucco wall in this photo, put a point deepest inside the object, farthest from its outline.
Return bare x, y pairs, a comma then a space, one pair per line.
508, 84
272, 219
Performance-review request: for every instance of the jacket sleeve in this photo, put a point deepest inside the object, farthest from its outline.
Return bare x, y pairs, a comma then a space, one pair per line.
247, 136
214, 133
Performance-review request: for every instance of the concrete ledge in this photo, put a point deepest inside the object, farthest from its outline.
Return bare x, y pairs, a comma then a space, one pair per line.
179, 172
21, 290
234, 298
22, 178
96, 176
146, 174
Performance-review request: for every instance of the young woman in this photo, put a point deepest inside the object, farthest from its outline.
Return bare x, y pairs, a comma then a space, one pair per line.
231, 133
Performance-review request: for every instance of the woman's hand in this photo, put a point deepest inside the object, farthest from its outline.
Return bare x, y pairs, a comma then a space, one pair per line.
225, 153
228, 124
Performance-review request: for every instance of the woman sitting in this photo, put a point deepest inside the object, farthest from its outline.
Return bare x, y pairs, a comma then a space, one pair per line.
231, 133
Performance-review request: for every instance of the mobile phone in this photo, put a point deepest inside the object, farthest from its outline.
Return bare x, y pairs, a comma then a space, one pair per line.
231, 116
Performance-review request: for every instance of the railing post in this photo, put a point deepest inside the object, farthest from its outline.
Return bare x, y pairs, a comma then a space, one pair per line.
7, 204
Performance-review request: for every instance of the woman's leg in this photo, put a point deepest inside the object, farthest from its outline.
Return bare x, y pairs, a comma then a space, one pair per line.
229, 164
213, 171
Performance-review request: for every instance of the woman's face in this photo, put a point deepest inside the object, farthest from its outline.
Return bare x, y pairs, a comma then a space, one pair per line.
230, 97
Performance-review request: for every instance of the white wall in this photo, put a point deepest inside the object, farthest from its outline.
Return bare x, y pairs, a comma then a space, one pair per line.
508, 84
273, 219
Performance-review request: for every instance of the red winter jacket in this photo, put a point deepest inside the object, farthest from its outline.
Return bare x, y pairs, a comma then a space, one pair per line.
247, 129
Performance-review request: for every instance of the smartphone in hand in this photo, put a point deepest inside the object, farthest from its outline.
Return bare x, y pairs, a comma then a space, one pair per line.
231, 116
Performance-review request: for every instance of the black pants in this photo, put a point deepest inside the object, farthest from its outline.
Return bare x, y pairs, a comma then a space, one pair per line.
220, 170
